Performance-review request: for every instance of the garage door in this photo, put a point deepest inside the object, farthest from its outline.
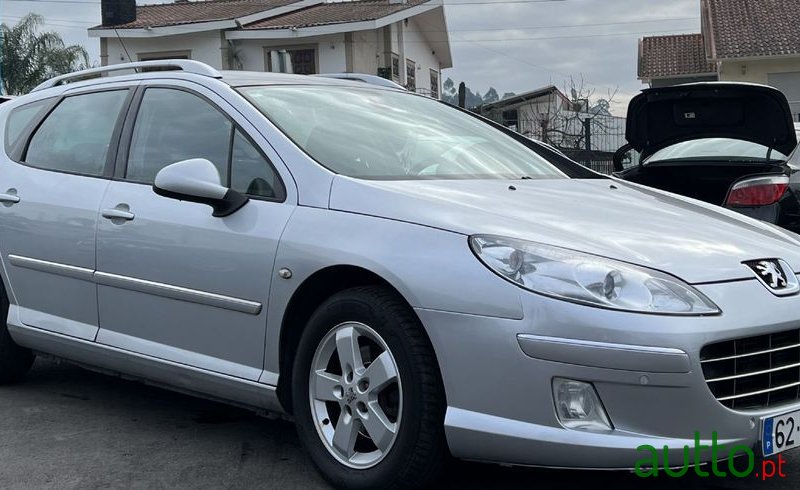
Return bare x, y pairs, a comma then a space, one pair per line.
789, 84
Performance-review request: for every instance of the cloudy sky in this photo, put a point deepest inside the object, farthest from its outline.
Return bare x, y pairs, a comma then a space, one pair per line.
513, 45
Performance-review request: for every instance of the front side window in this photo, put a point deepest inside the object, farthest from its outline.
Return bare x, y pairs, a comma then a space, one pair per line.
384, 134
172, 126
251, 173
77, 135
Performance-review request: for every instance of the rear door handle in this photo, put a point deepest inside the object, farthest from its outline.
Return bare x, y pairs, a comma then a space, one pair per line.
118, 213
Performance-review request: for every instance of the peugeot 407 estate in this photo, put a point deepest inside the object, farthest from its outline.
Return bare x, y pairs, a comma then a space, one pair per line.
405, 279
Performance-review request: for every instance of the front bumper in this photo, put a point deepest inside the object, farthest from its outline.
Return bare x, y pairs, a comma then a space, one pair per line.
498, 374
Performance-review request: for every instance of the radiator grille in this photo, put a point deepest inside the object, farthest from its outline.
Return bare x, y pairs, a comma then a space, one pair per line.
754, 372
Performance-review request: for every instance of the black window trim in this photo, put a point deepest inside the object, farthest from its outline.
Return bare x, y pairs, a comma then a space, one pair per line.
123, 150
22, 148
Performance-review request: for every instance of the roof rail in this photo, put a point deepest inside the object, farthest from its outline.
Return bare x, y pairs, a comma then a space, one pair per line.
362, 77
187, 66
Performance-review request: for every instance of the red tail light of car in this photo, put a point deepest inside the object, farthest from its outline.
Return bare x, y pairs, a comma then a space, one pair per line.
758, 191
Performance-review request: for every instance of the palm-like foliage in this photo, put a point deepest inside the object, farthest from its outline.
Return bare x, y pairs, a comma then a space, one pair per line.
29, 57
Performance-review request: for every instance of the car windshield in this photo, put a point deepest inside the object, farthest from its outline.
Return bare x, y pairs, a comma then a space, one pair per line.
724, 149
382, 134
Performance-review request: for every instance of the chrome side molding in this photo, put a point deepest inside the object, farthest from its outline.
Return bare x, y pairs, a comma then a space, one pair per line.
140, 285
178, 292
57, 268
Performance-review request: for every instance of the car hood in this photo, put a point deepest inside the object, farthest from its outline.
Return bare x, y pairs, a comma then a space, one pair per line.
661, 117
695, 241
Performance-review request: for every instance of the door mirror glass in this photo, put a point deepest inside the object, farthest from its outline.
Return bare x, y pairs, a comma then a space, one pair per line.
197, 180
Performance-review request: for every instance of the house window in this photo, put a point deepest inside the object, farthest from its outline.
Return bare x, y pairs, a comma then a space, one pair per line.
395, 66
411, 75
304, 60
434, 84
510, 118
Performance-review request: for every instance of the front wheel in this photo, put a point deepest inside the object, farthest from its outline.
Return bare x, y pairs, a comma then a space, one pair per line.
367, 394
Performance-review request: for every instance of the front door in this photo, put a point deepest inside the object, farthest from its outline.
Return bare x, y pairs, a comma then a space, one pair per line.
174, 282
49, 203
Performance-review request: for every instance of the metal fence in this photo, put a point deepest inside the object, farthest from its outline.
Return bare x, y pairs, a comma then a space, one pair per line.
590, 139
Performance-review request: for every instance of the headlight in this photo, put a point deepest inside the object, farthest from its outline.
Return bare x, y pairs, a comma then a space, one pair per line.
589, 279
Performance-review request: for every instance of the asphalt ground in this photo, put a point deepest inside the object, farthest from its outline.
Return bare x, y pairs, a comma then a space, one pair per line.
65, 427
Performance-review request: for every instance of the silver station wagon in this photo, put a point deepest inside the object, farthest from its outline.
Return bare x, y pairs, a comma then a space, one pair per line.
407, 280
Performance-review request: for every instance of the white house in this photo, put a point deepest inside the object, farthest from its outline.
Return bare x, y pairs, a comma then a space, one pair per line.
406, 40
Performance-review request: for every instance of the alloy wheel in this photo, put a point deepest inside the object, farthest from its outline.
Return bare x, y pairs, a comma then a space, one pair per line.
356, 395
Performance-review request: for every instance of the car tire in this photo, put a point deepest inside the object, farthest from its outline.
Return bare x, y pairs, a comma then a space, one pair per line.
15, 361
414, 453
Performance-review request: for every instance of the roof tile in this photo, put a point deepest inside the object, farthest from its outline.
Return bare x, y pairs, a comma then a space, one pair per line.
334, 13
750, 28
171, 14
674, 55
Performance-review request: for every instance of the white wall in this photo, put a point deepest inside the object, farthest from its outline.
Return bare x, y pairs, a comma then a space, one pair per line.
330, 51
418, 49
757, 71
204, 46
367, 51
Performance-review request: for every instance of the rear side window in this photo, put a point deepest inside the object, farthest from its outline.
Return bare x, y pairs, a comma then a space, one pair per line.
20, 118
77, 135
173, 125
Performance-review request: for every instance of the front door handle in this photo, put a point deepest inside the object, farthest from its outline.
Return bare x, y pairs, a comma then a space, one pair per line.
9, 197
121, 212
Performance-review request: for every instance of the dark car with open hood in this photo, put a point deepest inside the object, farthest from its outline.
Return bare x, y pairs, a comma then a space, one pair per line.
728, 144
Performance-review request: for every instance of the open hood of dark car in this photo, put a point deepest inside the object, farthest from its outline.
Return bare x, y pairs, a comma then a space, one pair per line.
661, 117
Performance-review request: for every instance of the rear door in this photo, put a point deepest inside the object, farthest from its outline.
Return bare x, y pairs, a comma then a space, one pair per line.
60, 160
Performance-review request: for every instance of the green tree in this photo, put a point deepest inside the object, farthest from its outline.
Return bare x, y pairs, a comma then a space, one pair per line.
29, 57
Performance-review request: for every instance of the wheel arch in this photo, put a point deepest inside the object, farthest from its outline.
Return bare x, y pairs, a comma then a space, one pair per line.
313, 291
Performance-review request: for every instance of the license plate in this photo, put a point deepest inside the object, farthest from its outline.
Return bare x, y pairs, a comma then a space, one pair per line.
781, 433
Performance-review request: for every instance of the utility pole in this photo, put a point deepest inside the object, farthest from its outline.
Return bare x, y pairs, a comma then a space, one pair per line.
587, 131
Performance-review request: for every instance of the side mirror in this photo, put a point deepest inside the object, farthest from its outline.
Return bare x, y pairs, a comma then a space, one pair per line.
197, 180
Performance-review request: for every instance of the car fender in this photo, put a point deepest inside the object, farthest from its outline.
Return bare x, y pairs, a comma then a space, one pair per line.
410, 257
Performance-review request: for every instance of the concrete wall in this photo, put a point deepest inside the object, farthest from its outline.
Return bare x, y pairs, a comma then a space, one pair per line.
419, 50
757, 71
364, 50
668, 82
207, 47
784, 74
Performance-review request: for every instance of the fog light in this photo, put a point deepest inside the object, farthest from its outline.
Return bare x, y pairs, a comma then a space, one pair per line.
578, 406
